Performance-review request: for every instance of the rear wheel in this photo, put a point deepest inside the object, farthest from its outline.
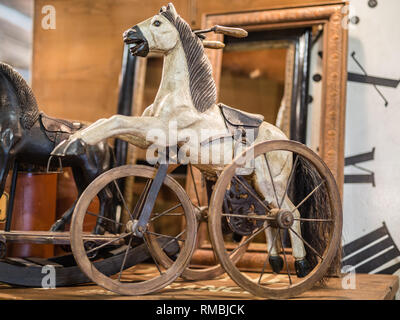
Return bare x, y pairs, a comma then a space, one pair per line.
312, 189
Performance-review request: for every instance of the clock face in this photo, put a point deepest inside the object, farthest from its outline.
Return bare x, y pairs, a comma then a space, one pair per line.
372, 136
371, 195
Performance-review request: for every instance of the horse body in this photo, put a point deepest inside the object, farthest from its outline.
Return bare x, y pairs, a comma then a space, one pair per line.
24, 139
186, 97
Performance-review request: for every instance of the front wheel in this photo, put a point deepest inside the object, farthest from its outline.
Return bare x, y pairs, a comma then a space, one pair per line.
176, 244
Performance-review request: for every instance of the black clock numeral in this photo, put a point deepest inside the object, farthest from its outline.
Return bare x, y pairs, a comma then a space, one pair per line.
372, 80
356, 77
371, 251
369, 177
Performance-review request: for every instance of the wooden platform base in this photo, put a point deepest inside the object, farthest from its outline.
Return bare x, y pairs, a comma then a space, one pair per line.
368, 287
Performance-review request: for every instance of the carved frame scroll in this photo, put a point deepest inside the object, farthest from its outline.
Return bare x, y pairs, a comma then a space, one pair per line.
333, 18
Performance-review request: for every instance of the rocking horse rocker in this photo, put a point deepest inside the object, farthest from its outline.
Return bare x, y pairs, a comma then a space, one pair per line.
254, 194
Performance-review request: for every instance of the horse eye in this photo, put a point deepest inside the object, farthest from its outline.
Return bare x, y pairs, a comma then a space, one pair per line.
157, 23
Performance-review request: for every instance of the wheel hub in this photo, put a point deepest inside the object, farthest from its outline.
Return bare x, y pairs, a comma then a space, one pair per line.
131, 225
284, 219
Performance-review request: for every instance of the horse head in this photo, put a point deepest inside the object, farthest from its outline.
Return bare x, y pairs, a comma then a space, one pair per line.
156, 34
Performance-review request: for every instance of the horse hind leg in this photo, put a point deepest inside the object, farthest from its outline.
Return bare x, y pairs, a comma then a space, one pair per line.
264, 188
302, 266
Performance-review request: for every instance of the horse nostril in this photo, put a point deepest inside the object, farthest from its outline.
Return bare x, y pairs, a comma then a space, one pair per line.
131, 32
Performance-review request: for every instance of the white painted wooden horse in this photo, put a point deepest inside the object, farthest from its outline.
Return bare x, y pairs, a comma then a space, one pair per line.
185, 106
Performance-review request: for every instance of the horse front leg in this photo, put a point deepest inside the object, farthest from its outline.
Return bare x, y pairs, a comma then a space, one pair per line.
8, 140
133, 129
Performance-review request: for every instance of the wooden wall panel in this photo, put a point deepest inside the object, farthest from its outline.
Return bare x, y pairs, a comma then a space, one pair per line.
76, 66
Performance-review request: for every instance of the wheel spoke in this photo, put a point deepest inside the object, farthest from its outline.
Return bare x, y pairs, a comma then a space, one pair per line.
105, 218
141, 200
194, 184
272, 180
313, 220
308, 196
125, 256
251, 193
268, 255
166, 211
163, 235
306, 243
123, 199
248, 239
253, 216
108, 242
151, 255
284, 256
172, 240
289, 180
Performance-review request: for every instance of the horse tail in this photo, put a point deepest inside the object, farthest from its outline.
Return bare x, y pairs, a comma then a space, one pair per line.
317, 234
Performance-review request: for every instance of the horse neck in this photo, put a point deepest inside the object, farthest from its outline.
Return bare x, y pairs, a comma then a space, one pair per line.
175, 76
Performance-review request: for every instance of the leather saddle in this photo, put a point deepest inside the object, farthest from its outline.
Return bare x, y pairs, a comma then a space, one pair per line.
239, 123
58, 130
240, 120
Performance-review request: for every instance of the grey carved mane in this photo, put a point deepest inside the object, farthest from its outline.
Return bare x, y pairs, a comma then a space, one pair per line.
201, 82
28, 104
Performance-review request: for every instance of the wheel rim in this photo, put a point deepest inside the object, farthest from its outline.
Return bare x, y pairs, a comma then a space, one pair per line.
115, 285
258, 288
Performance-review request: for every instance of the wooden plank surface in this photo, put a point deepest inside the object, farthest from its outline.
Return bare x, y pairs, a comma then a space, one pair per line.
368, 287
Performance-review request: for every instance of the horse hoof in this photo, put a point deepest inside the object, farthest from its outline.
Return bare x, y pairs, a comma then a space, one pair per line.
69, 148
59, 225
99, 229
276, 263
303, 268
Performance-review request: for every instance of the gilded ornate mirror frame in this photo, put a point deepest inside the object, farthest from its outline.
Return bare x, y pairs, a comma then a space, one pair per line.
333, 19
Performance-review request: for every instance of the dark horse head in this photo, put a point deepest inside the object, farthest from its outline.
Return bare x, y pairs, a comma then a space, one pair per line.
18, 111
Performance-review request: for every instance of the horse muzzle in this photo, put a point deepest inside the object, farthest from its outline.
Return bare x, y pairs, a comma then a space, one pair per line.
135, 38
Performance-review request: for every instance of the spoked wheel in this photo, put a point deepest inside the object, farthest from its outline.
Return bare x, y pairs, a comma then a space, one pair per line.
171, 232
299, 230
214, 268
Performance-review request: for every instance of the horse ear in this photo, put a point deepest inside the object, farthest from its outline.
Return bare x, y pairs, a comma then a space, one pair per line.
172, 9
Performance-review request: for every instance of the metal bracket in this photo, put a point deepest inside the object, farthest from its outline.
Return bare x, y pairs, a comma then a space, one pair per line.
151, 199
60, 167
